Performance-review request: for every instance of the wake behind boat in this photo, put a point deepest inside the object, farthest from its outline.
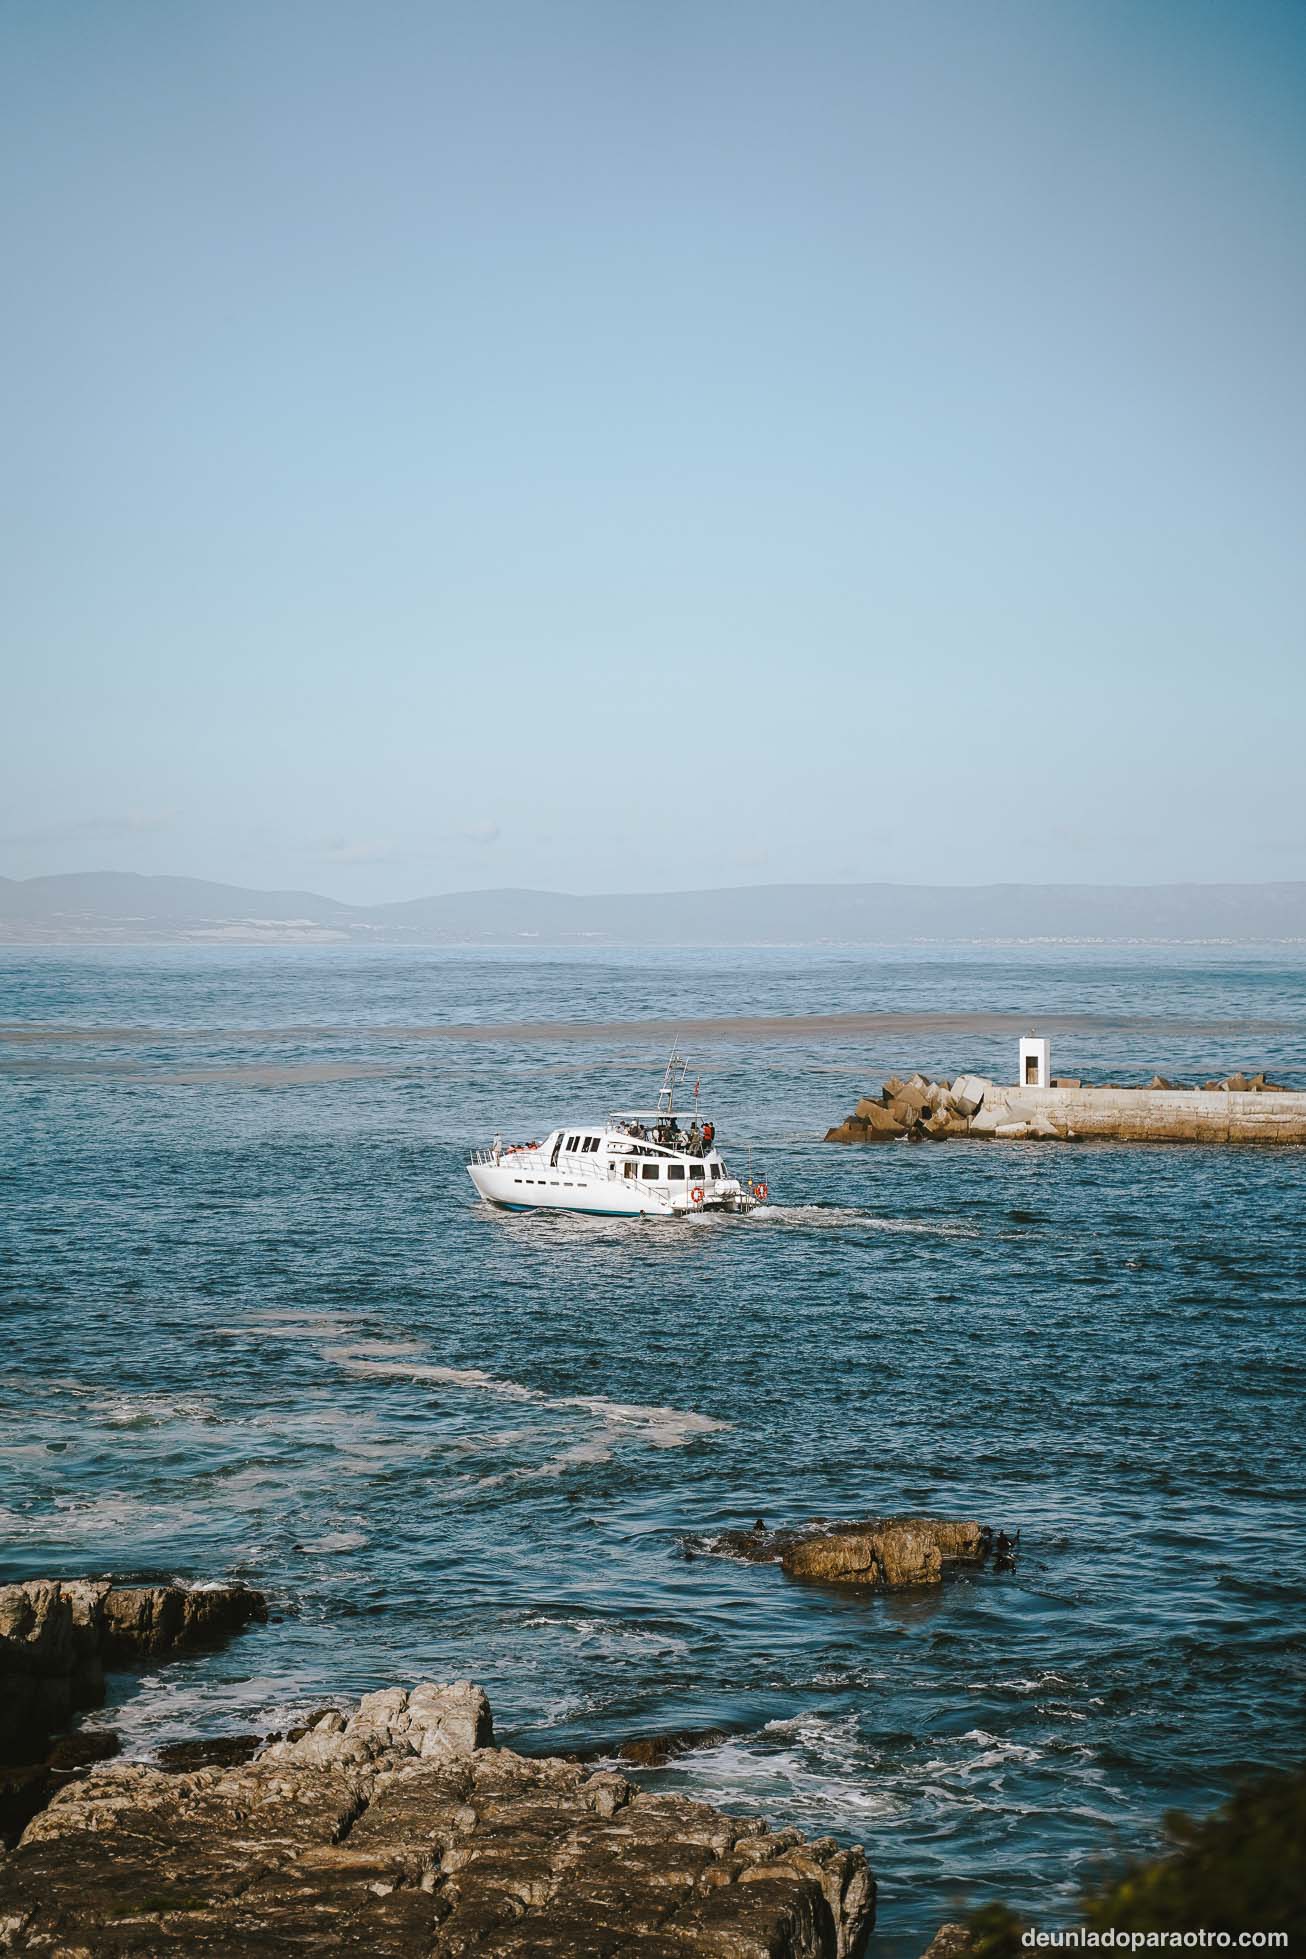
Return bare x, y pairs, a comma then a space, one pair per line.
636, 1163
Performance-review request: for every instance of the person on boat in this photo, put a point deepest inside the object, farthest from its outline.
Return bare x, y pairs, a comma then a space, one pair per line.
709, 1134
695, 1140
496, 1147
553, 1160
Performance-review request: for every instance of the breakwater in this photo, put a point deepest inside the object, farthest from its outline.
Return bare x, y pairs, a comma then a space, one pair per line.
1238, 1109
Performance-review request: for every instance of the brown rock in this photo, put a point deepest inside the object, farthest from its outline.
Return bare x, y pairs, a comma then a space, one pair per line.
652, 1751
944, 1123
950, 1942
55, 1636
897, 1551
208, 1752
882, 1551
905, 1107
26, 1789
82, 1751
49, 1660
361, 1838
878, 1127
163, 1618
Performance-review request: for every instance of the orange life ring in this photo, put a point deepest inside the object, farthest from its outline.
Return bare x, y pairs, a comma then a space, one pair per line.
696, 1194
761, 1193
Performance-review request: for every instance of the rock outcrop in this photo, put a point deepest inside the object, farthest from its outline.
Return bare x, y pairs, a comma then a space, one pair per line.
882, 1551
403, 1830
918, 1108
950, 1942
56, 1637
152, 1619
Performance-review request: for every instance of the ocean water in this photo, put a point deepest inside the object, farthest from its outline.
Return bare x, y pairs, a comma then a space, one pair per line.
254, 1323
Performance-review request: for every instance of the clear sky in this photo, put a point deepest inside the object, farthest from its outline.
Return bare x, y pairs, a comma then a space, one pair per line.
610, 447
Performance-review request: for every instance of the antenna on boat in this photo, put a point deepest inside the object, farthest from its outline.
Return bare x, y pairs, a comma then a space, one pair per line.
670, 1080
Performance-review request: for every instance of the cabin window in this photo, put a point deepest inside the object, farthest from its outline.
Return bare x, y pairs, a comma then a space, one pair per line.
591, 1142
716, 1169
572, 1142
695, 1169
649, 1171
676, 1170
630, 1169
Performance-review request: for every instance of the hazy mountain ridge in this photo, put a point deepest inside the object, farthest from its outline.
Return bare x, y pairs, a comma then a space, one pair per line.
119, 907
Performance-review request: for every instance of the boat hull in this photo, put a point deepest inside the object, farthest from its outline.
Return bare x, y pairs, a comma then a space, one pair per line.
534, 1188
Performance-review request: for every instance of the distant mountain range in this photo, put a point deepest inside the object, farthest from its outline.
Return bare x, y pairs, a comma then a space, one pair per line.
120, 907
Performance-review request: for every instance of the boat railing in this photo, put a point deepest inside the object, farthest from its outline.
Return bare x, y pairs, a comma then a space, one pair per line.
519, 1153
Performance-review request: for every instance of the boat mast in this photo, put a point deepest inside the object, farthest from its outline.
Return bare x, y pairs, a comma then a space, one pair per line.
667, 1093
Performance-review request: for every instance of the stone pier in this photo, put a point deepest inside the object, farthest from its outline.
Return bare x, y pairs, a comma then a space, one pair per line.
1152, 1115
1255, 1111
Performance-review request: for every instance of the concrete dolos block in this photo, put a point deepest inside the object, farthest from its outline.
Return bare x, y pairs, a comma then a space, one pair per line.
968, 1092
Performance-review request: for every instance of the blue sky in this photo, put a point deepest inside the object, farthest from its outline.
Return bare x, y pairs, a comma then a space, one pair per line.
610, 447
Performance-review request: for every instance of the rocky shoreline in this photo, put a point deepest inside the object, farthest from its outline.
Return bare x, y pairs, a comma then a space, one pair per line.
402, 1829
399, 1827
57, 1638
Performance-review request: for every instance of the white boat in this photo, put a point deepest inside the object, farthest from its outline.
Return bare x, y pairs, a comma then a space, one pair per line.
635, 1163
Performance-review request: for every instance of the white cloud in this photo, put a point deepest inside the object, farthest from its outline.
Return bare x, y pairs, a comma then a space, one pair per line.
355, 850
132, 823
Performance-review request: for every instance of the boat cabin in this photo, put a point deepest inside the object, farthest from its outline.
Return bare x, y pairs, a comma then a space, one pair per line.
642, 1144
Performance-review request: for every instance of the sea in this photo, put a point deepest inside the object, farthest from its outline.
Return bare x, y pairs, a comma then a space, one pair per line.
254, 1323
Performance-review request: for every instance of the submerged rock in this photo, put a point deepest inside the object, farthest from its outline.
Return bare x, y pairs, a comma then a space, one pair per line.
651, 1751
403, 1830
883, 1551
